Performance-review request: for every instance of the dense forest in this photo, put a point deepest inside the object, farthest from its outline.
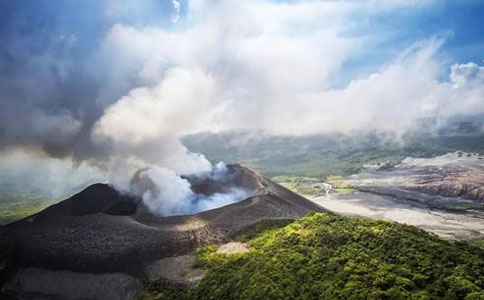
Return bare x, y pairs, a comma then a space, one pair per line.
324, 256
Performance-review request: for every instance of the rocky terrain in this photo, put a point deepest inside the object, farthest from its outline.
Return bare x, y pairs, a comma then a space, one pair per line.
456, 175
454, 181
102, 244
443, 194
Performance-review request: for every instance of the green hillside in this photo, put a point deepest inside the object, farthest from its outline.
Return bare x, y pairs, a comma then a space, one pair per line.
324, 256
320, 156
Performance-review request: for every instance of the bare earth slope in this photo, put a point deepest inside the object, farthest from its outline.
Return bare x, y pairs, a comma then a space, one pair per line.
444, 194
99, 232
451, 181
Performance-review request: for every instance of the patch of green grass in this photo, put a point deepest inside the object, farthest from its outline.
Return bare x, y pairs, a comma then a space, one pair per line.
477, 242
296, 179
16, 207
466, 206
307, 186
160, 289
324, 256
340, 184
11, 214
344, 190
260, 227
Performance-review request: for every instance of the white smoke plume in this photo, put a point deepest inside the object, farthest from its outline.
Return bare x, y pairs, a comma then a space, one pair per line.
141, 128
163, 192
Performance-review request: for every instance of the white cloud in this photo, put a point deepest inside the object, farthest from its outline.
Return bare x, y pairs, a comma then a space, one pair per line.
173, 105
268, 66
176, 8
24, 171
145, 123
59, 126
271, 65
469, 73
253, 64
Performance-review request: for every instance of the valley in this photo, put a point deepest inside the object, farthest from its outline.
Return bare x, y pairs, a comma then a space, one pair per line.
442, 194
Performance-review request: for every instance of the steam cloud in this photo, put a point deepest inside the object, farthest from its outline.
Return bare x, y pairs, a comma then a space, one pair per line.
164, 192
114, 84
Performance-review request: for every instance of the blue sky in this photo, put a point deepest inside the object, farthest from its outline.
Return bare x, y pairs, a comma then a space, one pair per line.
459, 22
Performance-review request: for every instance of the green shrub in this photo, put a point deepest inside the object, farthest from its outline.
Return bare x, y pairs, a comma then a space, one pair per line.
325, 256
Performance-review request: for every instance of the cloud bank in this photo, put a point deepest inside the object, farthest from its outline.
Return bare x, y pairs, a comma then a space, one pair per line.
269, 67
114, 84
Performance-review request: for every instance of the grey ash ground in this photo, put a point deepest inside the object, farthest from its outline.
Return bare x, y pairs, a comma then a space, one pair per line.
444, 194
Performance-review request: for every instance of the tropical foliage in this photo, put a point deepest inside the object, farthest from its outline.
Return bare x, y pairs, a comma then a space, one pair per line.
324, 256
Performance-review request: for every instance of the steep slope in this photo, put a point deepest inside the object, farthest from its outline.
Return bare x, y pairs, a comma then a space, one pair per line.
100, 231
324, 256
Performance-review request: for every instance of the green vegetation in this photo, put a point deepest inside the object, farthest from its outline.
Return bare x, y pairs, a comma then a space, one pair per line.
309, 186
466, 206
320, 156
477, 242
306, 186
15, 207
160, 289
339, 184
256, 229
324, 256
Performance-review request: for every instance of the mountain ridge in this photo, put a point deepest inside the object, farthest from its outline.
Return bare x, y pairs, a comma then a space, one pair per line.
91, 239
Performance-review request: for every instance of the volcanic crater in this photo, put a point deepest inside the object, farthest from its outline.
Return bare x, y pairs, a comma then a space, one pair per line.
100, 233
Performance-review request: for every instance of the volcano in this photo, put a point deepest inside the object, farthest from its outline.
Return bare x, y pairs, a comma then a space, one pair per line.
99, 243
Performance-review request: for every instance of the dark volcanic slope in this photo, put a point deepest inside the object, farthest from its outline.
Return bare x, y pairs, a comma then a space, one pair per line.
99, 230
